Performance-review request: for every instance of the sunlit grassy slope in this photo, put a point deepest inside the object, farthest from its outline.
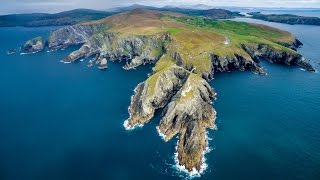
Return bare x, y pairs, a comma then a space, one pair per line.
197, 38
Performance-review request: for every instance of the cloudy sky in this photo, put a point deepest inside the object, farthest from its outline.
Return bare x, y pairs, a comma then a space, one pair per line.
19, 6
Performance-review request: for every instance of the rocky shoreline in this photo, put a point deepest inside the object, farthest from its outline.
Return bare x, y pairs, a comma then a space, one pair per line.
176, 84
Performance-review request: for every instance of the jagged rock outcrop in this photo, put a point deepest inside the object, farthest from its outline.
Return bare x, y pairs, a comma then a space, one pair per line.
33, 46
294, 45
72, 35
154, 93
188, 110
189, 114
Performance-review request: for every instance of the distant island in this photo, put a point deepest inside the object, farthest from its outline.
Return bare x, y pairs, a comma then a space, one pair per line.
286, 18
59, 19
187, 51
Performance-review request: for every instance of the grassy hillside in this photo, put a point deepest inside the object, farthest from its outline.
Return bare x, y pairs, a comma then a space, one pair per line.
195, 39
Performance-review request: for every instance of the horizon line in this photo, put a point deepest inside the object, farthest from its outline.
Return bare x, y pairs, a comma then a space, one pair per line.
211, 7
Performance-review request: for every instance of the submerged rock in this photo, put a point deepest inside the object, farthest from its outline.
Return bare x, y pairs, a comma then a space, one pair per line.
12, 51
33, 46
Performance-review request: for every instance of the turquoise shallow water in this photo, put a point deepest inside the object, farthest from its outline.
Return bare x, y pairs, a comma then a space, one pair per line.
64, 121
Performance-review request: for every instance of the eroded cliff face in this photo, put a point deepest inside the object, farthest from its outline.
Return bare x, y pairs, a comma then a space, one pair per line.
226, 64
135, 50
72, 35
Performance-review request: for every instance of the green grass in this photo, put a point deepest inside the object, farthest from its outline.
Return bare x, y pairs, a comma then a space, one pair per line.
174, 31
233, 27
162, 65
239, 33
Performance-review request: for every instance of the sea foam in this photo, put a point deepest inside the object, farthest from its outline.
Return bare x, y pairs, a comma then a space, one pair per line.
163, 136
128, 128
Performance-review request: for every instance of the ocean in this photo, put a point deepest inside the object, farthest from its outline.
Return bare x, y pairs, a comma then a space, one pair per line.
65, 121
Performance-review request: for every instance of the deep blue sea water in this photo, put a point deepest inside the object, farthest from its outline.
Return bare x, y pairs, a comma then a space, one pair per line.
64, 121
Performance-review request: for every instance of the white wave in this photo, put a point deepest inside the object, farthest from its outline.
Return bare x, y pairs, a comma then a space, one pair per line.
194, 173
302, 69
27, 53
53, 50
126, 122
163, 136
208, 138
128, 128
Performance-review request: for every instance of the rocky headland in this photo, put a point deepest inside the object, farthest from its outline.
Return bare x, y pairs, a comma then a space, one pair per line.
187, 52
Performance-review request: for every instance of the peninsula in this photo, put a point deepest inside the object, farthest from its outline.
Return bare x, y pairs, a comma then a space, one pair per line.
286, 18
187, 51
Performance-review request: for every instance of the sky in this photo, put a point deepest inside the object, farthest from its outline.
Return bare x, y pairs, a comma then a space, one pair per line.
26, 6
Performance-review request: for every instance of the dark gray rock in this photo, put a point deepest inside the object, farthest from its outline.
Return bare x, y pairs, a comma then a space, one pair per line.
72, 35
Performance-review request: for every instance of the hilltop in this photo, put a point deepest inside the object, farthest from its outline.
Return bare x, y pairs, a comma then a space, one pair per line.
58, 19
77, 16
83, 15
187, 52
